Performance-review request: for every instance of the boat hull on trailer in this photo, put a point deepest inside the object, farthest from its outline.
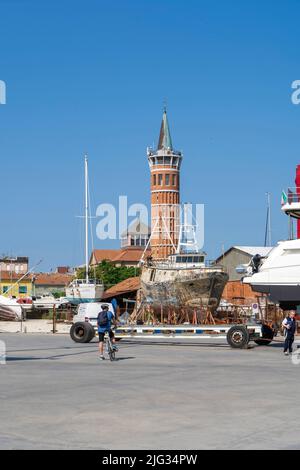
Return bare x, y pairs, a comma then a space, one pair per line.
195, 287
10, 310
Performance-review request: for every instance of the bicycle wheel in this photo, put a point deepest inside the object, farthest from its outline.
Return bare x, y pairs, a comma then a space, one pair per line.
112, 355
110, 350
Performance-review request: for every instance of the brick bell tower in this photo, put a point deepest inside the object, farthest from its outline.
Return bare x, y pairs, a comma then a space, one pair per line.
164, 165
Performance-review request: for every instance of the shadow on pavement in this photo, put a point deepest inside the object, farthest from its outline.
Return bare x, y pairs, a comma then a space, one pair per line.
149, 342
77, 346
45, 358
123, 358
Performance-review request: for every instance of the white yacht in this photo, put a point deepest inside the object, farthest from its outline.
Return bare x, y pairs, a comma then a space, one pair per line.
85, 290
278, 274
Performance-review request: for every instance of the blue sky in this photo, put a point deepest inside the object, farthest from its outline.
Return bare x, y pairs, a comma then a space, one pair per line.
93, 75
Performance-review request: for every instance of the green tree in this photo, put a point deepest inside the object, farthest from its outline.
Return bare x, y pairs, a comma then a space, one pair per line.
109, 274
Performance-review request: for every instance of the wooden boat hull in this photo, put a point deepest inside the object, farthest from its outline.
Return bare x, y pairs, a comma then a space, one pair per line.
183, 288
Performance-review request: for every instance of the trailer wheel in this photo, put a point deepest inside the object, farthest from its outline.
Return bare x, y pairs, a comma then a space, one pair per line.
267, 336
82, 332
238, 337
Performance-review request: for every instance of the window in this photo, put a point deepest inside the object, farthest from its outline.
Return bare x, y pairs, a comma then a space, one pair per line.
4, 289
154, 180
160, 179
173, 180
167, 180
22, 289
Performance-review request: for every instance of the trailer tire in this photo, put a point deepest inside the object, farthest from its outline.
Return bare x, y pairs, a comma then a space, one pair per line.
267, 336
238, 337
82, 332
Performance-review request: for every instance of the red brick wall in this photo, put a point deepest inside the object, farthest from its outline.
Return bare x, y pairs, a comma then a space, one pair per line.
237, 292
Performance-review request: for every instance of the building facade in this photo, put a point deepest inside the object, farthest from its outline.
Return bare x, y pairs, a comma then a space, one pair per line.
237, 255
18, 265
50, 283
164, 163
12, 286
237, 293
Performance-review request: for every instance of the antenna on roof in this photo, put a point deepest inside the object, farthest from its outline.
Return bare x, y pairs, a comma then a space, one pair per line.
165, 105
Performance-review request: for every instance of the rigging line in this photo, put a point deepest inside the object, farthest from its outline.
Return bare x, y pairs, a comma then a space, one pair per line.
194, 227
91, 224
168, 233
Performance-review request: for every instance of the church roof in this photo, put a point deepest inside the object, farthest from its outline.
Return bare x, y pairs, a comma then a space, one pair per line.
137, 227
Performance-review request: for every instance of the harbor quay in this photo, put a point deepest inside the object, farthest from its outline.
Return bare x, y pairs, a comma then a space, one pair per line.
158, 395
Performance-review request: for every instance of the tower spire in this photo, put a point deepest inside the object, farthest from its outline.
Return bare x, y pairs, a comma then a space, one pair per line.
165, 141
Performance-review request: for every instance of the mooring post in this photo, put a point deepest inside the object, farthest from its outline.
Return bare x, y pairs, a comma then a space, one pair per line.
54, 319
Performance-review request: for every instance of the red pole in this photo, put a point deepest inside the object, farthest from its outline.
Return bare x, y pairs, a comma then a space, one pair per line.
297, 182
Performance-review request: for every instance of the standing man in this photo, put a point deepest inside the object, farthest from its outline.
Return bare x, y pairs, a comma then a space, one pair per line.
104, 321
289, 325
115, 305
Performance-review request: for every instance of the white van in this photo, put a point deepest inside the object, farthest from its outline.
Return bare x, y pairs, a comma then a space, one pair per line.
84, 325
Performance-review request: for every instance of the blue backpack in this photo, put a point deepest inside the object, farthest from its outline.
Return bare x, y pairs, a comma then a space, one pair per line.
102, 319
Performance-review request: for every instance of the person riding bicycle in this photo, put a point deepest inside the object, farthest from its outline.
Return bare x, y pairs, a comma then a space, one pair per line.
104, 320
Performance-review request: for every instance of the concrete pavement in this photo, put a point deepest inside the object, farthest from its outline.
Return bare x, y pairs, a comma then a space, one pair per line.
188, 395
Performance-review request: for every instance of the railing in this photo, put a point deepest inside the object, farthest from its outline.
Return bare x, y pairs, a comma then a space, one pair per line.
209, 266
81, 282
290, 196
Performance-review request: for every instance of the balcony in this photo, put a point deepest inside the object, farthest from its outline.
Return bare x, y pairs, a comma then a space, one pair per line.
290, 202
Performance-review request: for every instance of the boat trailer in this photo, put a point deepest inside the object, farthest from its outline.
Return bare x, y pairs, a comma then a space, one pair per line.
238, 336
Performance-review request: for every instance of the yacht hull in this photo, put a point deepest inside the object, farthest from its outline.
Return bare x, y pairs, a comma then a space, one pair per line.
278, 275
9, 311
279, 292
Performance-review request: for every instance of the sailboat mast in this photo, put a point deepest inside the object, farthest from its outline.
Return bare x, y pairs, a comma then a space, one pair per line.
86, 219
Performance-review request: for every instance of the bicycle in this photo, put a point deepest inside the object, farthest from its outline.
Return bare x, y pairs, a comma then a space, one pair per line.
109, 347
